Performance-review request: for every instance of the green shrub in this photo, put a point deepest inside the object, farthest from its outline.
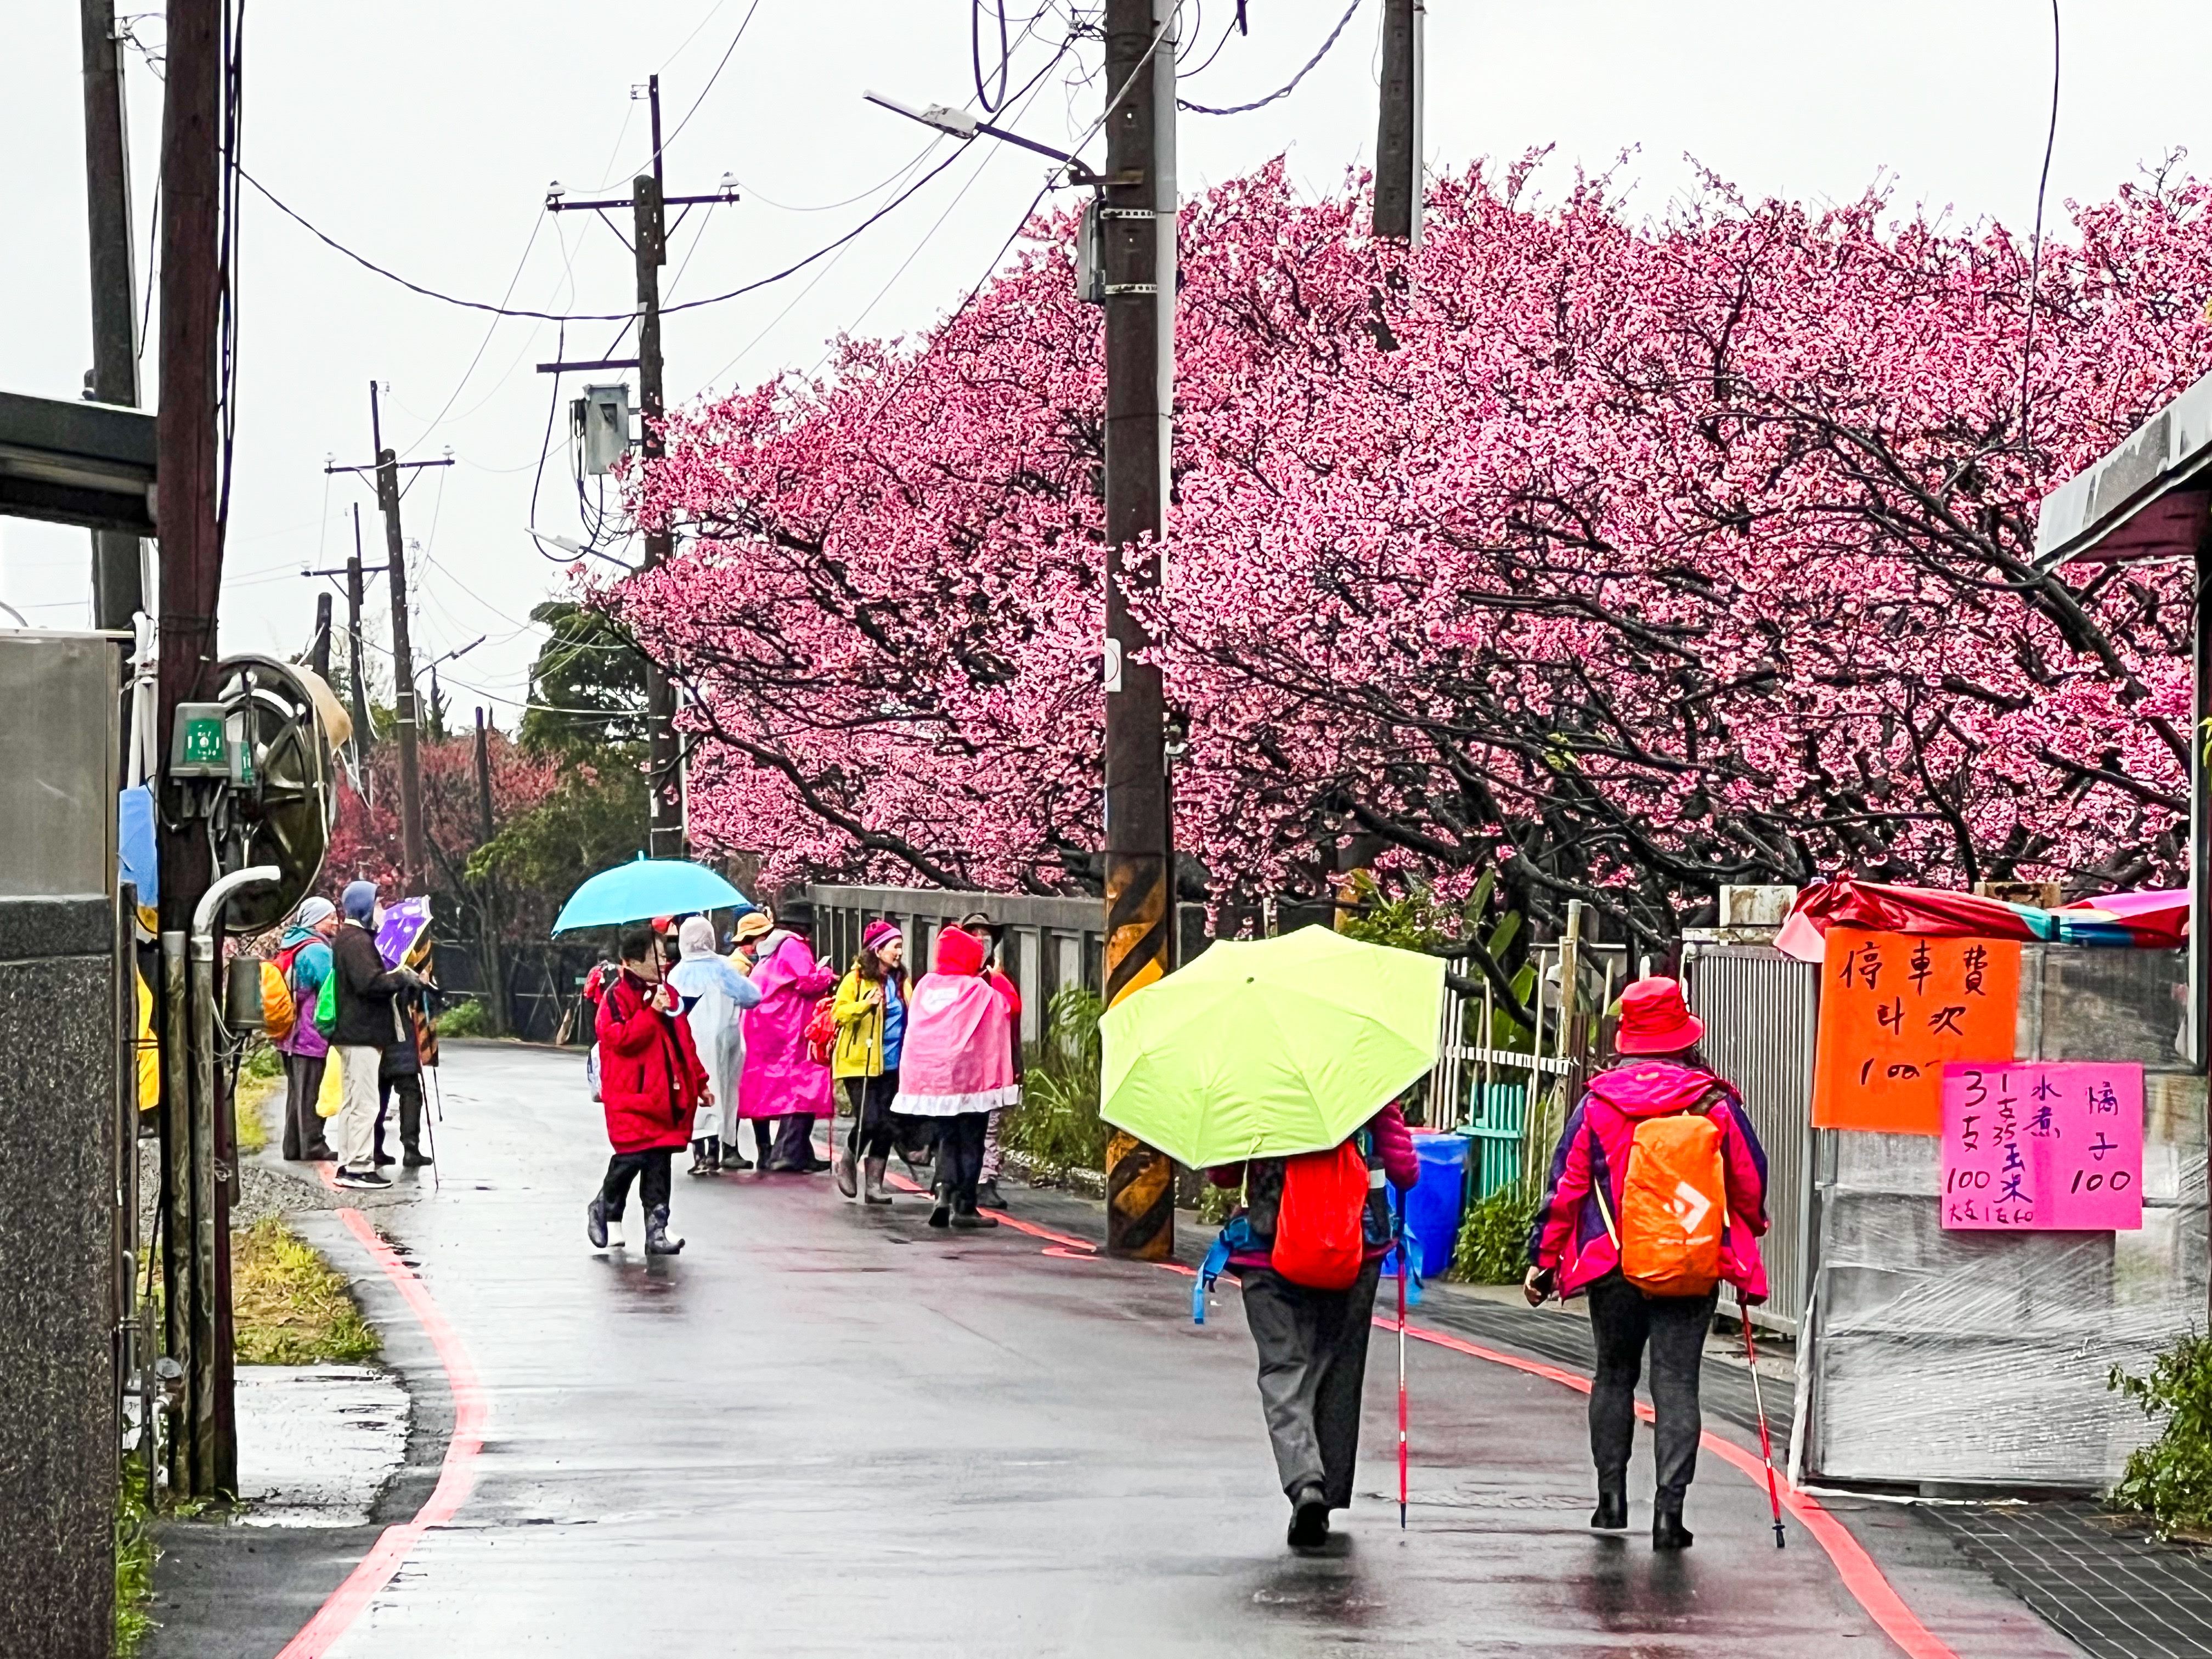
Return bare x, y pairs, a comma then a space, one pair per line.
465, 1019
1057, 1125
2170, 1480
262, 1062
1493, 1237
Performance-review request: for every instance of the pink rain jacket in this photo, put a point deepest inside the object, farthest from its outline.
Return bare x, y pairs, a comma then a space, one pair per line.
1570, 1236
956, 1057
780, 1076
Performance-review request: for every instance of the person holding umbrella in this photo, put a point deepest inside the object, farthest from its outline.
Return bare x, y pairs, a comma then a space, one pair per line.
651, 1084
1657, 1192
1277, 1064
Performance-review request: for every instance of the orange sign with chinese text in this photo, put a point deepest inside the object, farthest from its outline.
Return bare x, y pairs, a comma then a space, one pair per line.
1895, 1008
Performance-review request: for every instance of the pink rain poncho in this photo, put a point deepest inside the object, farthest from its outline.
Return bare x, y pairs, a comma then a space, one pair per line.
780, 1077
957, 1057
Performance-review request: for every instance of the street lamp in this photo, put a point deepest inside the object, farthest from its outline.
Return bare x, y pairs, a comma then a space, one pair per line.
958, 124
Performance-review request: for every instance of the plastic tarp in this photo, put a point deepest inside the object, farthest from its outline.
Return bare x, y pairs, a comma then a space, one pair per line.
1981, 1357
2152, 920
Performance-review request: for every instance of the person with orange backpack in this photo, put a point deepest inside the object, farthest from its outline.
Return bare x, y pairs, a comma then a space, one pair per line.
1657, 1192
1307, 1245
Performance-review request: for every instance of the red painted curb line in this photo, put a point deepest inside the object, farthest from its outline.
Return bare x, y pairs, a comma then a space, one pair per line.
1860, 1575
456, 1477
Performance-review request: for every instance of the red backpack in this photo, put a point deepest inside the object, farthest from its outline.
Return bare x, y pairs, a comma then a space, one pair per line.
1321, 1234
821, 1035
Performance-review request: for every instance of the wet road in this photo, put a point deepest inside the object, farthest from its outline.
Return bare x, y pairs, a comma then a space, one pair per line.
827, 1430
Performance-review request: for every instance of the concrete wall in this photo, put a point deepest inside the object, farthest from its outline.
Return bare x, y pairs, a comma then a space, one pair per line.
58, 1190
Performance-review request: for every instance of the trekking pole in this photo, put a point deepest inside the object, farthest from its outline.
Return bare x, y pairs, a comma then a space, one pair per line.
1766, 1446
1402, 1363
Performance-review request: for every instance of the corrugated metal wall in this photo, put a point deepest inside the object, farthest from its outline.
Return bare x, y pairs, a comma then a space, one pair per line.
1760, 1009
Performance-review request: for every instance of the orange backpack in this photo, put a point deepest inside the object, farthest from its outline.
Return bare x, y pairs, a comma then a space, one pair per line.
1321, 1233
1673, 1204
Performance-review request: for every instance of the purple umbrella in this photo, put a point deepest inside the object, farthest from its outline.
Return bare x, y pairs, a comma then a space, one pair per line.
402, 927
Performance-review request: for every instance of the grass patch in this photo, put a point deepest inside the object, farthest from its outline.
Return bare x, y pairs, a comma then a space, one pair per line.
2170, 1480
289, 1306
471, 1019
1057, 1125
260, 1080
135, 1555
1493, 1237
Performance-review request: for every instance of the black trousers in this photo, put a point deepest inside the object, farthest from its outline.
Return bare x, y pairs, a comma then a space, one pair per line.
1313, 1364
409, 1087
649, 1169
304, 1136
794, 1141
871, 1097
960, 1156
1624, 1320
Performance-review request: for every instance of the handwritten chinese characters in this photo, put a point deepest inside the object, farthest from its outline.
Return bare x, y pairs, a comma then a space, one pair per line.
1895, 1008
2043, 1147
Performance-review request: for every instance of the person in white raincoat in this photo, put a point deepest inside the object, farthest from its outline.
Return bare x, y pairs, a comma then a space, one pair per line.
713, 993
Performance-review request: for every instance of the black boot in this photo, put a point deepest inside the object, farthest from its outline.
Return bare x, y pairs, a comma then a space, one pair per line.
1612, 1512
595, 1223
969, 1218
941, 1215
1668, 1532
410, 1133
700, 1165
657, 1241
1309, 1519
731, 1157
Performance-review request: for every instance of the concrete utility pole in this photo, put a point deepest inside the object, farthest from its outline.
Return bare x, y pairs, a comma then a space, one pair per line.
196, 1224
354, 597
117, 583
649, 202
403, 656
664, 781
414, 865
1398, 128
1138, 221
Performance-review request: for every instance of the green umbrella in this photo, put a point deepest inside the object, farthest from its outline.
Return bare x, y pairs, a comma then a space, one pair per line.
1264, 1047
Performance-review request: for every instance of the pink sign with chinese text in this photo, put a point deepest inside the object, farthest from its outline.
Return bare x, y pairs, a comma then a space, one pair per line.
2043, 1147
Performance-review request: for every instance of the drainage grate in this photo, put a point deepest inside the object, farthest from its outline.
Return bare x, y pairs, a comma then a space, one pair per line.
2109, 1585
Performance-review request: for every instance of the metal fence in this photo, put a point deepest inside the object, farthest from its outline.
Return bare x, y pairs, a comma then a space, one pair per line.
1049, 943
1761, 1010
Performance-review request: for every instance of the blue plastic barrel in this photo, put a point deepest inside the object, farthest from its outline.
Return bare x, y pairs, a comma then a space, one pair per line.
1434, 1207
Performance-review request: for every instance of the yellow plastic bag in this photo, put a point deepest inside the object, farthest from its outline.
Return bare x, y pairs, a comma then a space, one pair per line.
332, 1094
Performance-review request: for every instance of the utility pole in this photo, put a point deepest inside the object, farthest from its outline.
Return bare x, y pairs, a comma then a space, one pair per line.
118, 592
354, 596
649, 202
196, 1226
1398, 127
414, 865
1138, 221
662, 781
319, 654
483, 781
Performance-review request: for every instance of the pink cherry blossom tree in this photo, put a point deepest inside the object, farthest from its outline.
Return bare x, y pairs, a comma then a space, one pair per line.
1623, 559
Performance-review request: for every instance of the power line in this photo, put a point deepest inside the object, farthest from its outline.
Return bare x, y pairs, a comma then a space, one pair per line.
1288, 87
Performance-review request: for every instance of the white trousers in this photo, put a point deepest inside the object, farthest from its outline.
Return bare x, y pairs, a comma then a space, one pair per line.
356, 1121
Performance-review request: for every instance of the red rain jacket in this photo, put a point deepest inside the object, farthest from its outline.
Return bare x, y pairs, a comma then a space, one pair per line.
650, 1077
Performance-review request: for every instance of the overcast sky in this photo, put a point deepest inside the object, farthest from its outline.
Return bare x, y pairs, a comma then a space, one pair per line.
423, 136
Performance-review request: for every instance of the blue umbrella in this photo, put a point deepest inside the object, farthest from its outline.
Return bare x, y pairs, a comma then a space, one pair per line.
646, 888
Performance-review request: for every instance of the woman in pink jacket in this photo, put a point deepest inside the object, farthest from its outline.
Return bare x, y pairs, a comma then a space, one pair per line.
780, 1080
1575, 1248
957, 1068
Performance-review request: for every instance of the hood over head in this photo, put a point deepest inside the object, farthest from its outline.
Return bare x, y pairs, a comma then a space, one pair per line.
359, 901
695, 938
959, 953
1653, 1088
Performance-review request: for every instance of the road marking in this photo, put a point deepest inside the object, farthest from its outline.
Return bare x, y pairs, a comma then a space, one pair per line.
456, 1476
1860, 1575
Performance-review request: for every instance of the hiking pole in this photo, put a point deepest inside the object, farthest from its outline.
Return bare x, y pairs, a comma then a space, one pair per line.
1766, 1446
1402, 1363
